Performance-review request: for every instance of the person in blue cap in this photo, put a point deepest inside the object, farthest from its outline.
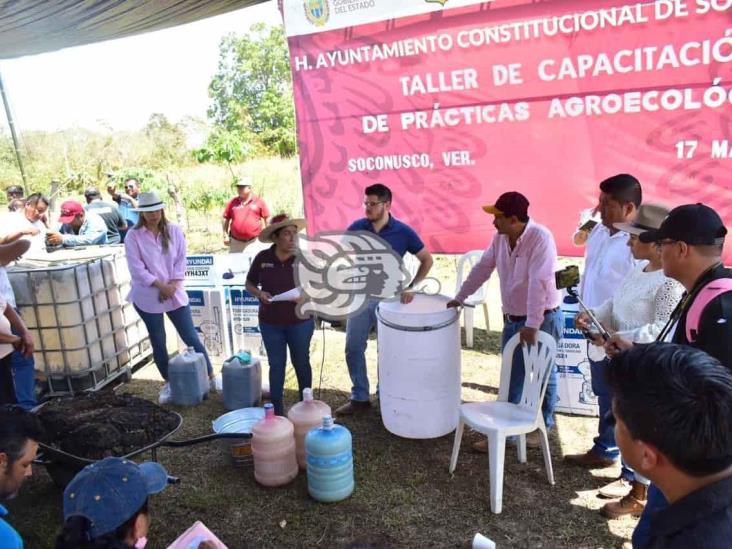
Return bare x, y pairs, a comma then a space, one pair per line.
105, 505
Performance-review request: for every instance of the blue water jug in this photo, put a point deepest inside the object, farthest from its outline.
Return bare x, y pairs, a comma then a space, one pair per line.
329, 462
188, 378
242, 381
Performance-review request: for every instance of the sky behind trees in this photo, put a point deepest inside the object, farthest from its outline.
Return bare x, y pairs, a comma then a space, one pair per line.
118, 84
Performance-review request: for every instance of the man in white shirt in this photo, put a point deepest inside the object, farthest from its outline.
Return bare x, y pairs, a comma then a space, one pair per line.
25, 224
608, 260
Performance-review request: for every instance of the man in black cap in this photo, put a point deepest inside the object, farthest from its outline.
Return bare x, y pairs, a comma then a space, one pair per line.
691, 239
525, 255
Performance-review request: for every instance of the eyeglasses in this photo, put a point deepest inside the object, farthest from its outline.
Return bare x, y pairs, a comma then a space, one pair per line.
129, 186
368, 204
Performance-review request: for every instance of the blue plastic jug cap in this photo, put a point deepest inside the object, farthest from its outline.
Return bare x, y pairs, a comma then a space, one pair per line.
244, 356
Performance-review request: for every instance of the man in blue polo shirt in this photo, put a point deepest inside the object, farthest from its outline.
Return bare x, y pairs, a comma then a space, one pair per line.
402, 239
19, 435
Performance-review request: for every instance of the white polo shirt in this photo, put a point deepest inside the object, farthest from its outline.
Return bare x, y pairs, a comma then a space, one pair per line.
607, 262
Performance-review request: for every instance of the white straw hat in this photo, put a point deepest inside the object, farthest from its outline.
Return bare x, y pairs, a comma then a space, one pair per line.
149, 202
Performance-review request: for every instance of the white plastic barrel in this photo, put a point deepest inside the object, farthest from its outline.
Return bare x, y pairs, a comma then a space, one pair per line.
419, 366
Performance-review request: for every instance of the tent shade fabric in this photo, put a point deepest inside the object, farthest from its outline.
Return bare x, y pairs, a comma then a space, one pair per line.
29, 27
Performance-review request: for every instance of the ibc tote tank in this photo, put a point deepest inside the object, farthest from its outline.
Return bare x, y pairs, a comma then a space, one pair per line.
419, 366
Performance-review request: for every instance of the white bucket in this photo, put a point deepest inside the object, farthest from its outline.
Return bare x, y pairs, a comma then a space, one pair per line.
419, 366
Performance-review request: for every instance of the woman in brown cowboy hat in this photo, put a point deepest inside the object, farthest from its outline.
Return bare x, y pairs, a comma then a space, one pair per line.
272, 273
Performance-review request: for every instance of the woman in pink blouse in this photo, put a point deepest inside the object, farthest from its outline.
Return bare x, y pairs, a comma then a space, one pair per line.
156, 256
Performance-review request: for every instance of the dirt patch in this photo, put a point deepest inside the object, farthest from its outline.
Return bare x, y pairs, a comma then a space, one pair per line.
98, 425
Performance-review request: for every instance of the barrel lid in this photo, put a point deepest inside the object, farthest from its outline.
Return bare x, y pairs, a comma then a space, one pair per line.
423, 311
238, 421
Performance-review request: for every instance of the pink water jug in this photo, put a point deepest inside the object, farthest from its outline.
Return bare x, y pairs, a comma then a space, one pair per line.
306, 415
273, 448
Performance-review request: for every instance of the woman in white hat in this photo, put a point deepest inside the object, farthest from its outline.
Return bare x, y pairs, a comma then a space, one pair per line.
156, 256
271, 273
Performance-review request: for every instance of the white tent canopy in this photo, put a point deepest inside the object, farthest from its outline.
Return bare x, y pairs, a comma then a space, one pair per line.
28, 27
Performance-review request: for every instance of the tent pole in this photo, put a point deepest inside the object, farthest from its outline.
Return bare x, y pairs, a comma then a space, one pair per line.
11, 125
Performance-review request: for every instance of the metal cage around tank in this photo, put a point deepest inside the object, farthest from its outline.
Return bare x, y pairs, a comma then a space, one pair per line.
86, 334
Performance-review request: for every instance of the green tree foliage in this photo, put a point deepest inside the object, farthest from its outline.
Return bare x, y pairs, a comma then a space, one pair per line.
223, 147
167, 143
252, 92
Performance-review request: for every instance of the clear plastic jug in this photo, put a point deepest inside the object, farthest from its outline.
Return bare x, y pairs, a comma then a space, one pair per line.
273, 448
241, 377
188, 378
305, 416
330, 462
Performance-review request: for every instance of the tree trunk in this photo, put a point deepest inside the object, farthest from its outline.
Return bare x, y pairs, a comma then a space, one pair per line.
174, 193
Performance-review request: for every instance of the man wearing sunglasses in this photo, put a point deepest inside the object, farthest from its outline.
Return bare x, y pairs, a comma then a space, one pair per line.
127, 201
402, 239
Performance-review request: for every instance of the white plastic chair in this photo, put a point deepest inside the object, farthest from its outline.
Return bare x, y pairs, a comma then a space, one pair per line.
501, 419
466, 262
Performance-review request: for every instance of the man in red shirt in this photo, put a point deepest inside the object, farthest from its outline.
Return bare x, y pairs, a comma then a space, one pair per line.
244, 217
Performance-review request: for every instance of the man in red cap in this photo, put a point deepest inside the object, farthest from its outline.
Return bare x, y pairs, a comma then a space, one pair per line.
525, 255
78, 227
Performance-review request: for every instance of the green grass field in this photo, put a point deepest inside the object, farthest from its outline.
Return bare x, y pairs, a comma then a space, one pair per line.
404, 495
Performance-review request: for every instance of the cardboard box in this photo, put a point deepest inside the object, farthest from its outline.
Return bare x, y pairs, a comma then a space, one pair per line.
574, 382
243, 312
200, 271
210, 318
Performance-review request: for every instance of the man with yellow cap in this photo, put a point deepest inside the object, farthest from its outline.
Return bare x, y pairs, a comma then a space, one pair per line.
525, 255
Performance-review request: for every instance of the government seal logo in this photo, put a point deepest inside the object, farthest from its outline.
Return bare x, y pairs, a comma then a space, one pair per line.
317, 11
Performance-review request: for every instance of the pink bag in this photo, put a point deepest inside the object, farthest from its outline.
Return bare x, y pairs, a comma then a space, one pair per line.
703, 298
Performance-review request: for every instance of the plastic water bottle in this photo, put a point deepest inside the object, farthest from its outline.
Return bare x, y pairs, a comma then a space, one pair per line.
330, 462
273, 448
242, 381
306, 415
188, 378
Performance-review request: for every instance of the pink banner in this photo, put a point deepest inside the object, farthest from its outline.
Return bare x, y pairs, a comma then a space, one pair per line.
452, 108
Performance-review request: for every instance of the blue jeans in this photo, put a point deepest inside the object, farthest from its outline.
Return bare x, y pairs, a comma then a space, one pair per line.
277, 338
357, 336
25, 379
656, 502
604, 443
552, 325
183, 322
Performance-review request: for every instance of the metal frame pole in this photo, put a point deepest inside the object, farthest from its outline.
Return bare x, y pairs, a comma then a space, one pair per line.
11, 125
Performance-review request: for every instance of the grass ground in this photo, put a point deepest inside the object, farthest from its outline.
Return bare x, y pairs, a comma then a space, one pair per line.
404, 496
